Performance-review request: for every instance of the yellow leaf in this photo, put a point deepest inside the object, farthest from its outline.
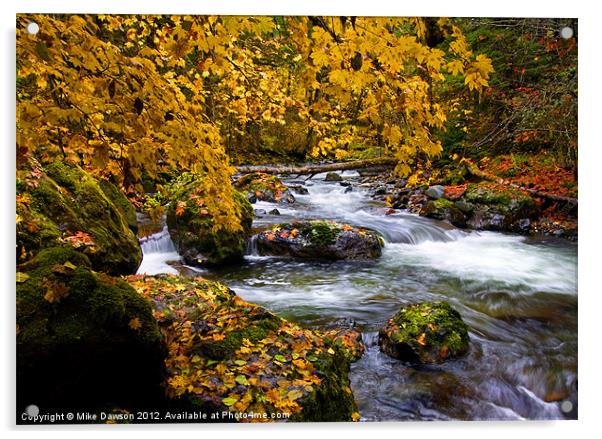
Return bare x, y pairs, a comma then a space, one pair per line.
135, 324
22, 277
421, 339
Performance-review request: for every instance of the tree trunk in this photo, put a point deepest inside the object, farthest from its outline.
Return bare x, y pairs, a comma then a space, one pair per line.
317, 169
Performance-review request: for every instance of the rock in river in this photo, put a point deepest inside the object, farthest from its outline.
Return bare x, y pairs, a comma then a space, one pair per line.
228, 355
320, 240
264, 187
191, 227
333, 176
427, 332
84, 339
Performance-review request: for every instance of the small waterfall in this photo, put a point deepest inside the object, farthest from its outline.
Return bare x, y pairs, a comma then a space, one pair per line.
252, 246
157, 250
158, 243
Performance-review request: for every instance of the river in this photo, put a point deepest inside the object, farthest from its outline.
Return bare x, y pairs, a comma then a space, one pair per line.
518, 296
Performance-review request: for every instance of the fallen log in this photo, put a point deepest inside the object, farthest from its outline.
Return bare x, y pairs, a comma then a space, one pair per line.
317, 169
474, 170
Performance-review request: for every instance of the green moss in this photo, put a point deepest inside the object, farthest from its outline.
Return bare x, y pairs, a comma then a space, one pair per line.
333, 400
67, 201
443, 203
428, 332
121, 202
322, 232
193, 233
74, 318
501, 196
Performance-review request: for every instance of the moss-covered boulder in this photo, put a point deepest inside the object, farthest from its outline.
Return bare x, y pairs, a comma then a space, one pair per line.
121, 202
445, 210
333, 176
428, 332
264, 187
499, 207
320, 240
228, 355
191, 227
84, 339
62, 205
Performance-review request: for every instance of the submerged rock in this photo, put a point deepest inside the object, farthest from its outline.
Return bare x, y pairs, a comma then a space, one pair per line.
299, 189
428, 332
62, 205
320, 240
191, 224
333, 176
274, 212
228, 355
84, 339
264, 187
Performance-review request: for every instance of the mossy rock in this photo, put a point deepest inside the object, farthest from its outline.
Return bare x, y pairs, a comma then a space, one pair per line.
264, 187
228, 355
191, 227
428, 333
63, 205
445, 210
84, 339
320, 240
333, 176
498, 207
121, 202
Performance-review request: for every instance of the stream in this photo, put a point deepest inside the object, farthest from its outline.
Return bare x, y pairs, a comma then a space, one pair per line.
517, 294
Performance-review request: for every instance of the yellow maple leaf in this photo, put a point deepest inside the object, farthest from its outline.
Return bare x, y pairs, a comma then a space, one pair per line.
135, 324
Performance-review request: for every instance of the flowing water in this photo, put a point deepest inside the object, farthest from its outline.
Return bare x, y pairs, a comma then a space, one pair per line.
518, 296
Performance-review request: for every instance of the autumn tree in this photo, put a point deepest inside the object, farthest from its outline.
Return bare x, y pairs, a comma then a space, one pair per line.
129, 96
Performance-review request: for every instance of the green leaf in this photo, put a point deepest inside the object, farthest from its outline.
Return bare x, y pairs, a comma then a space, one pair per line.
22, 277
229, 401
211, 362
312, 358
69, 265
240, 362
280, 358
241, 379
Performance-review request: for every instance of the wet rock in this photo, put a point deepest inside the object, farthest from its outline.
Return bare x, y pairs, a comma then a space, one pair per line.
259, 212
320, 240
235, 356
435, 192
348, 189
62, 205
192, 229
345, 183
380, 190
443, 209
274, 212
264, 187
299, 189
333, 176
84, 339
428, 333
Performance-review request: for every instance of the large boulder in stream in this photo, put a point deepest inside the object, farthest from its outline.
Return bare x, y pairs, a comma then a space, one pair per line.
63, 205
191, 227
264, 187
484, 206
84, 339
428, 333
320, 240
230, 357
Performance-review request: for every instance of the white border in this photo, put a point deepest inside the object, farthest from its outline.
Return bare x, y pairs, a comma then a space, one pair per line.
590, 42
